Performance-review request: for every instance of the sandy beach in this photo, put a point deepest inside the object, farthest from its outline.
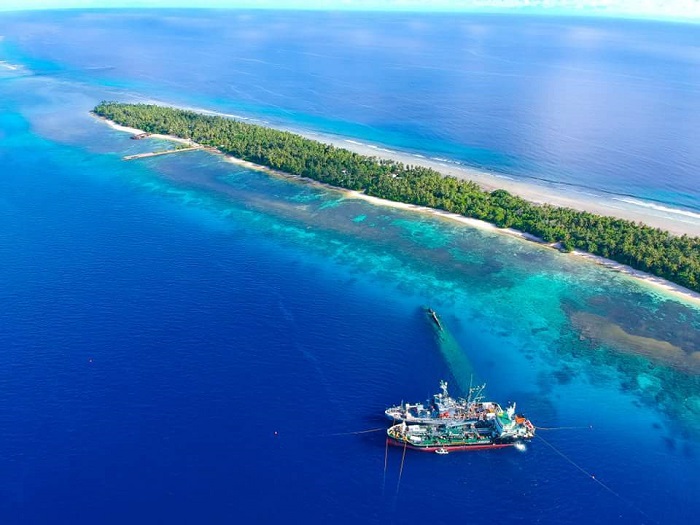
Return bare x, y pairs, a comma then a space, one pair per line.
656, 283
667, 288
678, 222
134, 131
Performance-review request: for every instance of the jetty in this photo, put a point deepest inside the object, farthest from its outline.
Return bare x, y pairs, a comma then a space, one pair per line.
162, 152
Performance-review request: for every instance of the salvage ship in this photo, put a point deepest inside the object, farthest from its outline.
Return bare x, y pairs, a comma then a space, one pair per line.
442, 408
447, 424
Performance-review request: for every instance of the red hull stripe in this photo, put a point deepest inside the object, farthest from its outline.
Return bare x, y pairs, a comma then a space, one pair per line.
451, 447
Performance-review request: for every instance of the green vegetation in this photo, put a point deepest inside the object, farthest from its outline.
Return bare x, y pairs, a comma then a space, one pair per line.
649, 249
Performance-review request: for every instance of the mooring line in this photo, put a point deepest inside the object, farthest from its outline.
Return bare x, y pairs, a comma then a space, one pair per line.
386, 459
591, 476
354, 433
565, 428
403, 457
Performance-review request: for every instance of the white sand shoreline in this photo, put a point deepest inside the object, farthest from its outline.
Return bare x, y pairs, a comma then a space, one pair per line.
669, 289
675, 221
678, 222
134, 131
675, 290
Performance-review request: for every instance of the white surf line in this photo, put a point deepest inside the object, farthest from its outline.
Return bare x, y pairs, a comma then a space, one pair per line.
670, 288
657, 207
488, 180
675, 290
7, 65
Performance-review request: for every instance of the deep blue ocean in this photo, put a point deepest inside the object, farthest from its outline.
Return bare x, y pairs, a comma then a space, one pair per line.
183, 340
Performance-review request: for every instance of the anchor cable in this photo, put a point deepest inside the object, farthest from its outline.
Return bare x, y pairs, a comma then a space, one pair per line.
591, 476
565, 428
354, 433
403, 457
386, 460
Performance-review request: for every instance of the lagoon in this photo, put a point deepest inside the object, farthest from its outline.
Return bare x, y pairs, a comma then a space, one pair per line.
187, 340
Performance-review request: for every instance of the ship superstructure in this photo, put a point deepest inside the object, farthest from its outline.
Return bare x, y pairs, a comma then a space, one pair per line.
443, 408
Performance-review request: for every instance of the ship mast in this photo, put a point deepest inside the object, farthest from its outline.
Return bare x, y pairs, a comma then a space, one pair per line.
443, 387
469, 395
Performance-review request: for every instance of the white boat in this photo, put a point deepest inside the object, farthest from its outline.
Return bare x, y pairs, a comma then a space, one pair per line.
444, 409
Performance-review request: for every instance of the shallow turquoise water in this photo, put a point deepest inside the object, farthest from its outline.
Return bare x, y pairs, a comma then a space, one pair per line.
191, 341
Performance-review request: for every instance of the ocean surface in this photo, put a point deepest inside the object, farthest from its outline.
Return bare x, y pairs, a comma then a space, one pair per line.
183, 340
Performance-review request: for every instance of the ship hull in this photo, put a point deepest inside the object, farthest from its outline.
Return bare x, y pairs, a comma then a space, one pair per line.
450, 448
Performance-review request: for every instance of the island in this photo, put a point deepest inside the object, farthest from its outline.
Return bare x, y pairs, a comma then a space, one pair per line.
652, 250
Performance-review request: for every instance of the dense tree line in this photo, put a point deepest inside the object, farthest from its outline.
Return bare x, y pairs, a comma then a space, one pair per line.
649, 249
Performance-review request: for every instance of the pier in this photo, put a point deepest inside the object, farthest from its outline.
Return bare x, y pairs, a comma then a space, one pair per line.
162, 152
